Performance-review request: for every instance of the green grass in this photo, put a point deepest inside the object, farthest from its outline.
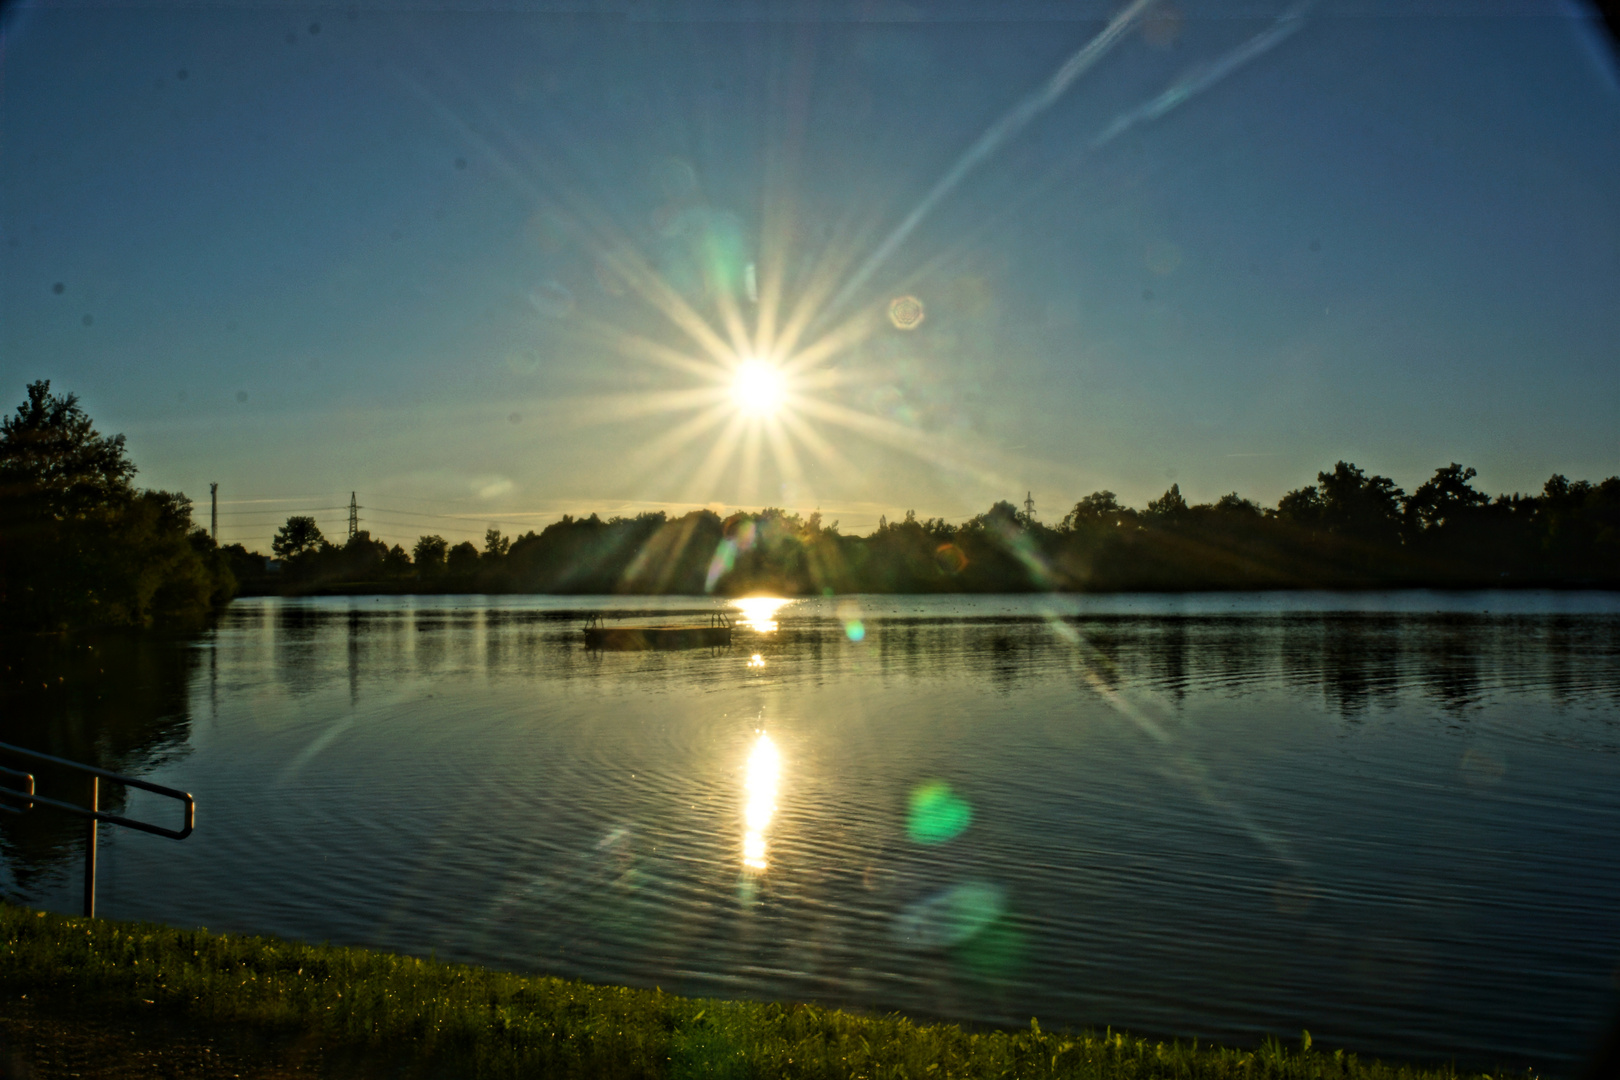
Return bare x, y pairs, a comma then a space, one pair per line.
342, 1012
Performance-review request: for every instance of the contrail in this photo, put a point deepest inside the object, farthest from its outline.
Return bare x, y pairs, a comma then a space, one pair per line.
1201, 78
998, 133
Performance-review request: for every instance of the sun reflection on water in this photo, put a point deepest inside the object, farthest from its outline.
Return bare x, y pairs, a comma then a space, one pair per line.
764, 767
759, 612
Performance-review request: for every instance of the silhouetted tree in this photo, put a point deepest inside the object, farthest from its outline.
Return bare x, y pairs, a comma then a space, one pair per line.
462, 559
298, 535
79, 545
1361, 507
1168, 505
1234, 503
397, 563
429, 554
1445, 498
1100, 507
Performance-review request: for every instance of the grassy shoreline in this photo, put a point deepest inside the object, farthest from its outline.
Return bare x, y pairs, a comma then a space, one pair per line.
194, 1003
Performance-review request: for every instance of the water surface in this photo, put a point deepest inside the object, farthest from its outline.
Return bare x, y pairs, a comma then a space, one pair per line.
1392, 819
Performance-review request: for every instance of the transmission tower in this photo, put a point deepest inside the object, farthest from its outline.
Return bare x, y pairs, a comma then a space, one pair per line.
1029, 506
354, 516
213, 512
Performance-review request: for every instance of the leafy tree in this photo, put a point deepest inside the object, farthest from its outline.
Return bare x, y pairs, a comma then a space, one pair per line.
52, 457
1350, 504
1234, 503
79, 545
463, 558
429, 554
495, 545
1168, 505
299, 535
1446, 498
1092, 515
362, 557
1361, 507
1302, 506
397, 562
1002, 515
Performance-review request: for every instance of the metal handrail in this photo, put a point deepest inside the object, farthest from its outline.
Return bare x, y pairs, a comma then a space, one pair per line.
27, 777
93, 812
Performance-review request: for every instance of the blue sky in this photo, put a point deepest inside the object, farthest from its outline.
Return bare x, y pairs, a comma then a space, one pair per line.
461, 262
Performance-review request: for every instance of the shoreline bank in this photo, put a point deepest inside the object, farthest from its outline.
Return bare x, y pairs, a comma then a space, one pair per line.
194, 1003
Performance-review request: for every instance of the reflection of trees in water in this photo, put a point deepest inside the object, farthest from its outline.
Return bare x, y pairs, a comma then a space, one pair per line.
904, 647
1170, 661
1359, 661
1004, 666
1450, 654
1355, 661
116, 701
1580, 659
298, 650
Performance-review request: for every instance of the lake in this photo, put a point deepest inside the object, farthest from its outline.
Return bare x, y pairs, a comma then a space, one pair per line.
1391, 819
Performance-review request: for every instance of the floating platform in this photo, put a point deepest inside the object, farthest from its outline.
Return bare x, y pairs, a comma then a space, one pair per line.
716, 632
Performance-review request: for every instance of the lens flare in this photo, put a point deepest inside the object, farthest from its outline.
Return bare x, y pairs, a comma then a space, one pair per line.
937, 814
906, 312
758, 388
952, 916
764, 768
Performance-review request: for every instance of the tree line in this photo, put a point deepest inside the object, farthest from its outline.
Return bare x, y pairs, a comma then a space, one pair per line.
1349, 530
81, 545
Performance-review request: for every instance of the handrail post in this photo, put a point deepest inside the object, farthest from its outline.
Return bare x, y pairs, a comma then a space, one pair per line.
30, 799
90, 850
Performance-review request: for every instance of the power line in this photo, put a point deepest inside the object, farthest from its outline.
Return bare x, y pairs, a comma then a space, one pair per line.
296, 512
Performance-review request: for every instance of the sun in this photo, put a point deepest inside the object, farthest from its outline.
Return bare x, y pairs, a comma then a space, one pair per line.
758, 388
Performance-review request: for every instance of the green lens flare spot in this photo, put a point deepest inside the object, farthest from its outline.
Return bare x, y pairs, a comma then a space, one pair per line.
995, 954
937, 815
951, 917
854, 630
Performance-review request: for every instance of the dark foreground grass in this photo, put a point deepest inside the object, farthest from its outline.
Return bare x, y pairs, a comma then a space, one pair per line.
90, 997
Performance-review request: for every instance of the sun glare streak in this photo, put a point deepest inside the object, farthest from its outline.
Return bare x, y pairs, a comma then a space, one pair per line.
701, 485
783, 454
656, 454
759, 806
920, 444
748, 467
635, 347
609, 407
731, 317
825, 452
621, 257
846, 336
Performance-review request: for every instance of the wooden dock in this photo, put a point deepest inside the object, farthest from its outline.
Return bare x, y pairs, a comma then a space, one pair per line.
716, 632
